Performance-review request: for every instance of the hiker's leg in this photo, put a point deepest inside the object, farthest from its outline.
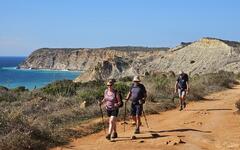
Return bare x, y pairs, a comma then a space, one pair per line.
138, 121
134, 119
180, 96
133, 113
114, 124
184, 98
138, 115
111, 120
115, 121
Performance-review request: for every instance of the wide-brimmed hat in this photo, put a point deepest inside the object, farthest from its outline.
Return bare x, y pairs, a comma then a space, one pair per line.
136, 79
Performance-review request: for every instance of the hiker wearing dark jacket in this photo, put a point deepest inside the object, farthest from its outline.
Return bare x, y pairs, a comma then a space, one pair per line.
137, 95
112, 102
182, 88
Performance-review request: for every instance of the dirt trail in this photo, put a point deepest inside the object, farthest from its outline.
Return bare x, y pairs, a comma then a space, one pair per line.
210, 124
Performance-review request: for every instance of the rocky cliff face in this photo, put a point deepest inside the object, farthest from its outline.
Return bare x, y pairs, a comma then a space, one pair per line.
203, 56
80, 59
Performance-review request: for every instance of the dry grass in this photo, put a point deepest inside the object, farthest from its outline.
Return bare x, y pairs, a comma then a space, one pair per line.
44, 118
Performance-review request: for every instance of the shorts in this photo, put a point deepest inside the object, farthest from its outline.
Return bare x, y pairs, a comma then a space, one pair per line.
136, 109
113, 112
182, 92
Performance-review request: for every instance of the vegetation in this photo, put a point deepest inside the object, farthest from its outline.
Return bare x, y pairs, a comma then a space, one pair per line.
45, 117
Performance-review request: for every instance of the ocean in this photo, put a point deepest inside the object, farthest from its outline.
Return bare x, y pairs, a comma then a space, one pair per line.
11, 77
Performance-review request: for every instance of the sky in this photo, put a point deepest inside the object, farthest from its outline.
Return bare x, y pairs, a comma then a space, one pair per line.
26, 25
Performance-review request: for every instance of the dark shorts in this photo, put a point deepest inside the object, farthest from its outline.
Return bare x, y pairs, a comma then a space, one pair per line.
113, 112
136, 109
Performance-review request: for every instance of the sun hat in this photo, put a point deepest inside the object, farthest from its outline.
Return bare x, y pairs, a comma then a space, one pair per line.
136, 79
181, 72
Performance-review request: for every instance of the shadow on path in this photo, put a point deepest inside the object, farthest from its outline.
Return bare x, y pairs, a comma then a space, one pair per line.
180, 130
218, 109
152, 136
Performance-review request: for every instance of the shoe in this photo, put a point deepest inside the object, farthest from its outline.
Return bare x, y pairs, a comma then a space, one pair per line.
184, 104
108, 137
115, 135
137, 131
181, 108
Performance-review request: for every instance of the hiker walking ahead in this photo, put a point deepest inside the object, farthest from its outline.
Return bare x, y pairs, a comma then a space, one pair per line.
182, 88
137, 95
112, 101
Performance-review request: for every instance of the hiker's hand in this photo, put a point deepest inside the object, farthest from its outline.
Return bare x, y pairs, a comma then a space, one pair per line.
142, 101
175, 91
116, 105
187, 91
126, 100
99, 103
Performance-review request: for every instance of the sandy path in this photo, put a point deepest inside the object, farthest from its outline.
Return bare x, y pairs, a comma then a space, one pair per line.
210, 124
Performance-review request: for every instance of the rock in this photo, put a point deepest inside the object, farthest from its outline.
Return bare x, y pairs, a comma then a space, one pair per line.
83, 105
174, 141
133, 137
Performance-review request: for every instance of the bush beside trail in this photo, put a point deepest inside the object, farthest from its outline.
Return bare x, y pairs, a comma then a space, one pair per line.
45, 117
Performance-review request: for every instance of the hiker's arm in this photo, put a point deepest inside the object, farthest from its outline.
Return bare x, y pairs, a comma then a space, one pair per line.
145, 95
187, 88
128, 96
176, 86
101, 101
118, 99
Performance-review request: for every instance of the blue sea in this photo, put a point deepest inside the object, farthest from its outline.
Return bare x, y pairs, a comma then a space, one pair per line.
11, 77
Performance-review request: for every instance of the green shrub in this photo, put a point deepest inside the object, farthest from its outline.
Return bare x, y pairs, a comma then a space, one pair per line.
61, 88
20, 89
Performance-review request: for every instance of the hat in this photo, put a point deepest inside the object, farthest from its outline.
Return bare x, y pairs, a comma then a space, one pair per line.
181, 72
136, 79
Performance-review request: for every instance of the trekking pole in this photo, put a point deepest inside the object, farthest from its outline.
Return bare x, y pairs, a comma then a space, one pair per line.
145, 118
125, 111
102, 118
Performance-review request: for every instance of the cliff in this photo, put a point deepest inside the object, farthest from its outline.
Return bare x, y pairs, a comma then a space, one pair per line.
203, 56
81, 58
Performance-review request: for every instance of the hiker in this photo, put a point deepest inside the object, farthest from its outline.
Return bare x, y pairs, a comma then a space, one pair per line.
137, 95
112, 102
182, 88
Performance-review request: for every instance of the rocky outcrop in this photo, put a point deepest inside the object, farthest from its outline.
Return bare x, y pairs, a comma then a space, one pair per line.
203, 56
81, 59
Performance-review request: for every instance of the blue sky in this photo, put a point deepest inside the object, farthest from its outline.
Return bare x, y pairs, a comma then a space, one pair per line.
26, 25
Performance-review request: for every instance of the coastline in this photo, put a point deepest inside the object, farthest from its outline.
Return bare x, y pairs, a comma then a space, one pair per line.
48, 70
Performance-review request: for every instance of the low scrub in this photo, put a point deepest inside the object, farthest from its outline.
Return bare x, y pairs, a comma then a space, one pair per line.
45, 117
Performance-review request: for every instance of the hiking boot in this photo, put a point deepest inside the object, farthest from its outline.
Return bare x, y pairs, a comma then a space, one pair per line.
184, 104
181, 108
115, 135
137, 131
108, 137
